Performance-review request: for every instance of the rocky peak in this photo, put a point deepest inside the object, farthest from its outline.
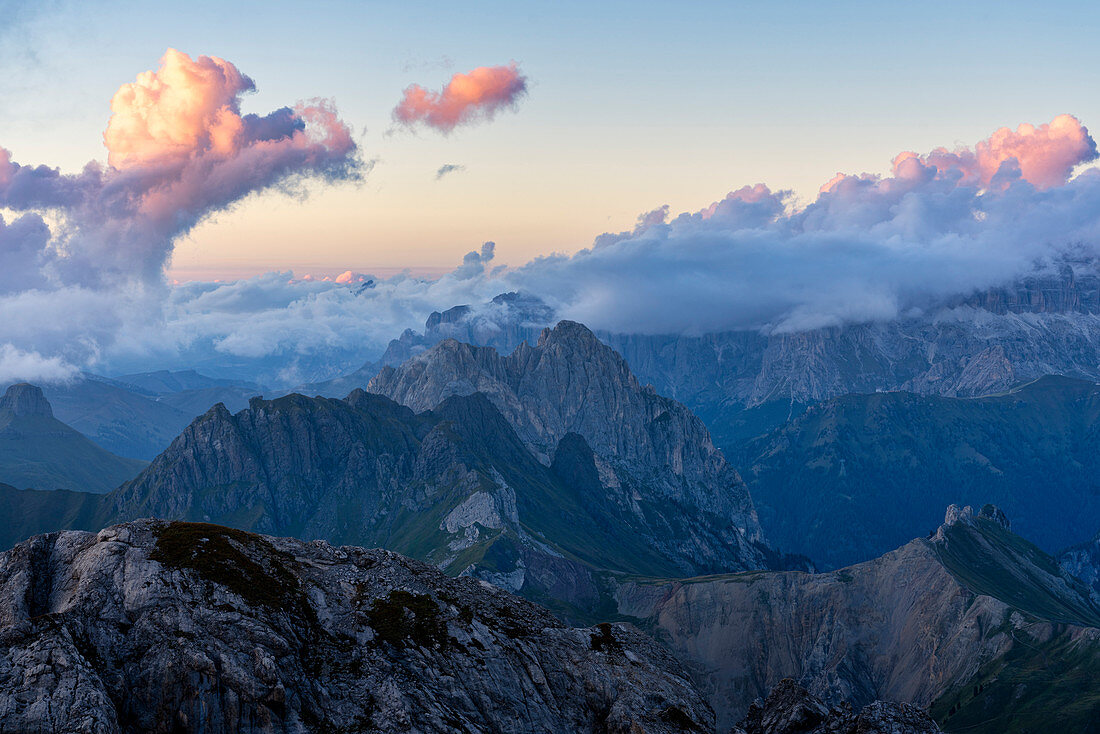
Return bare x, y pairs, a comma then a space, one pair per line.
24, 399
791, 709
966, 516
655, 458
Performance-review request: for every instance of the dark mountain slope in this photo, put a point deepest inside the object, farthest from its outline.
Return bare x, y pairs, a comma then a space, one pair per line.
124, 422
454, 486
38, 451
855, 476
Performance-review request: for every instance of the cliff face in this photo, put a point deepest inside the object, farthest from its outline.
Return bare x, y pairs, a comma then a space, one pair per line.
159, 627
1083, 562
974, 607
655, 458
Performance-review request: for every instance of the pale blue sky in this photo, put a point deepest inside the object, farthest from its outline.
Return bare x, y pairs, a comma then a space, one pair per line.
631, 105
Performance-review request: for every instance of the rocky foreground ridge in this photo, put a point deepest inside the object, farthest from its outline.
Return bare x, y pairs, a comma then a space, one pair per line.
161, 627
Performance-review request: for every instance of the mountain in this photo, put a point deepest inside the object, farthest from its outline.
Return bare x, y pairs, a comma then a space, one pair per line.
38, 451
192, 393
118, 418
454, 486
155, 626
748, 381
857, 475
974, 622
655, 459
503, 323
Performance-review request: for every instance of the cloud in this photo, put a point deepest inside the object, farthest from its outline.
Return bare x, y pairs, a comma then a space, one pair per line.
869, 247
471, 97
19, 366
178, 150
448, 168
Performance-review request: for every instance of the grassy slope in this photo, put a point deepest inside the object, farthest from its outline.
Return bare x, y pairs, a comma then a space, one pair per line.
1038, 680
40, 452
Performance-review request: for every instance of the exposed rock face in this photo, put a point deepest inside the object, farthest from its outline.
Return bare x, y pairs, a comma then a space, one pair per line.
939, 616
162, 627
1083, 562
791, 709
22, 400
858, 475
655, 458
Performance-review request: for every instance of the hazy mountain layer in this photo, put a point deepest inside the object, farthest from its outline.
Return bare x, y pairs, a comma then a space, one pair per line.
973, 622
121, 420
38, 451
154, 626
857, 475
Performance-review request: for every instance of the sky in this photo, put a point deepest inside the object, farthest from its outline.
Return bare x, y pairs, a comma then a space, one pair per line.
629, 106
273, 191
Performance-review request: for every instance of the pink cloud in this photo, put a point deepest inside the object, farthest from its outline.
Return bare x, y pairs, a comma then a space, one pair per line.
476, 95
1043, 155
178, 150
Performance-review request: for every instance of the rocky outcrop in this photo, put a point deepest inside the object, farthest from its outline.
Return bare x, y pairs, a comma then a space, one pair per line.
21, 400
929, 624
454, 486
1083, 562
791, 709
655, 459
162, 627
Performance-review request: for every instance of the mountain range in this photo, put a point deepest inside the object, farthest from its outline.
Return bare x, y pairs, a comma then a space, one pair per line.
539, 498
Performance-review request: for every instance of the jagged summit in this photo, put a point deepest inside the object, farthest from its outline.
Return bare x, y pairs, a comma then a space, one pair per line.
24, 399
966, 515
655, 458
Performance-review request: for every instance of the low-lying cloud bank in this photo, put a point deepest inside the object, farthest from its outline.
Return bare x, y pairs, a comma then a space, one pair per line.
941, 224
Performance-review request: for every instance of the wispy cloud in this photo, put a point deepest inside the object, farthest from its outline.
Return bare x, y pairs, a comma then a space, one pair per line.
448, 168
